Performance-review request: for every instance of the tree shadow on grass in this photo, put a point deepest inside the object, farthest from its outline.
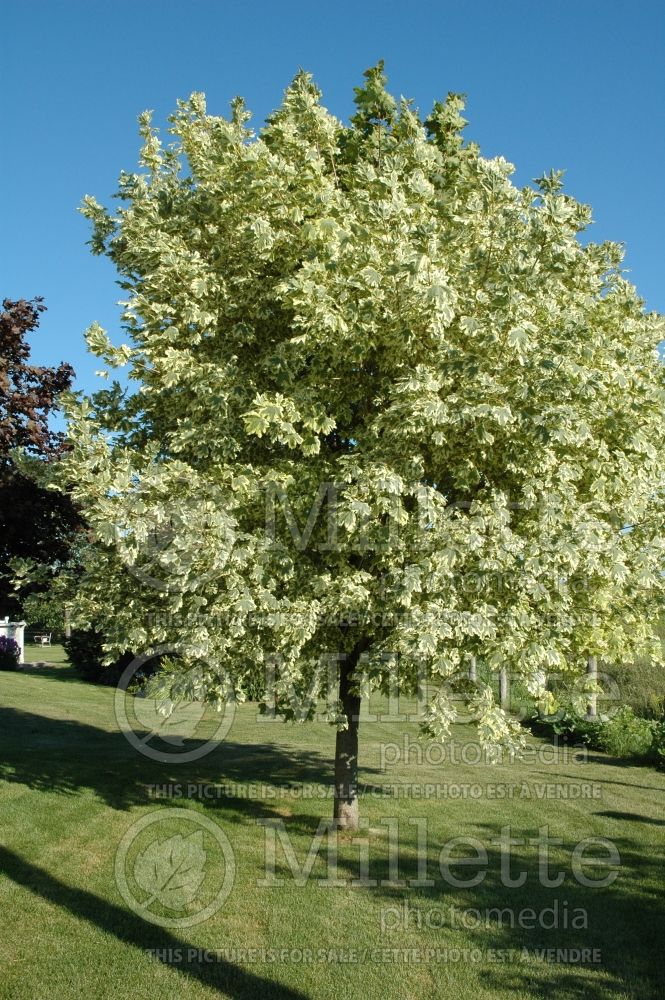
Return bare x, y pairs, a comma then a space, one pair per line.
540, 951
602, 780
52, 671
130, 929
630, 817
623, 923
625, 920
68, 756
622, 762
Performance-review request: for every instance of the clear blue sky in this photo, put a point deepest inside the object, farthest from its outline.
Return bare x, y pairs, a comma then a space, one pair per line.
574, 84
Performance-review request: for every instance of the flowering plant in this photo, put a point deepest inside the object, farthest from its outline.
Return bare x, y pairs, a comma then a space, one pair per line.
9, 653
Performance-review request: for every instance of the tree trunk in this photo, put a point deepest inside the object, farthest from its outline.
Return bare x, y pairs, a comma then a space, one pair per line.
504, 691
473, 676
592, 673
346, 747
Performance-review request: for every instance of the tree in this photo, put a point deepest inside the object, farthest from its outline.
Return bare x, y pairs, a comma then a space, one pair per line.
28, 393
36, 523
369, 320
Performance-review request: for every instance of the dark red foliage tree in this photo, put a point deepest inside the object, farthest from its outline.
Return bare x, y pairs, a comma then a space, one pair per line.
35, 522
28, 392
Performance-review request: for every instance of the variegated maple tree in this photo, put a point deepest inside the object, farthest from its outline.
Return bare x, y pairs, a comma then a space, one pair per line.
385, 407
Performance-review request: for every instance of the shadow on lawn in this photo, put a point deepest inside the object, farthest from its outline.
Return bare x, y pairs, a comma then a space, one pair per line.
66, 756
631, 817
131, 930
53, 671
624, 922
602, 780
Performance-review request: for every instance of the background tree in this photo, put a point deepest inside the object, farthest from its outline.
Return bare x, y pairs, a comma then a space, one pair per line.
36, 523
375, 316
28, 393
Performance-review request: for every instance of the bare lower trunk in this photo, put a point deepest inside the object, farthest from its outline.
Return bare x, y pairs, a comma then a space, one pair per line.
504, 690
473, 673
592, 674
346, 748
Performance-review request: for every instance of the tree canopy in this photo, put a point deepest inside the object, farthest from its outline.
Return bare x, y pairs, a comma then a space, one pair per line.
373, 320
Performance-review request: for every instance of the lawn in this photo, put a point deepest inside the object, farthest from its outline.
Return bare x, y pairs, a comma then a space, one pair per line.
44, 654
73, 786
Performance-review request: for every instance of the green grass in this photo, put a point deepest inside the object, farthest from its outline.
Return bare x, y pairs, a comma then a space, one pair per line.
72, 786
44, 654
